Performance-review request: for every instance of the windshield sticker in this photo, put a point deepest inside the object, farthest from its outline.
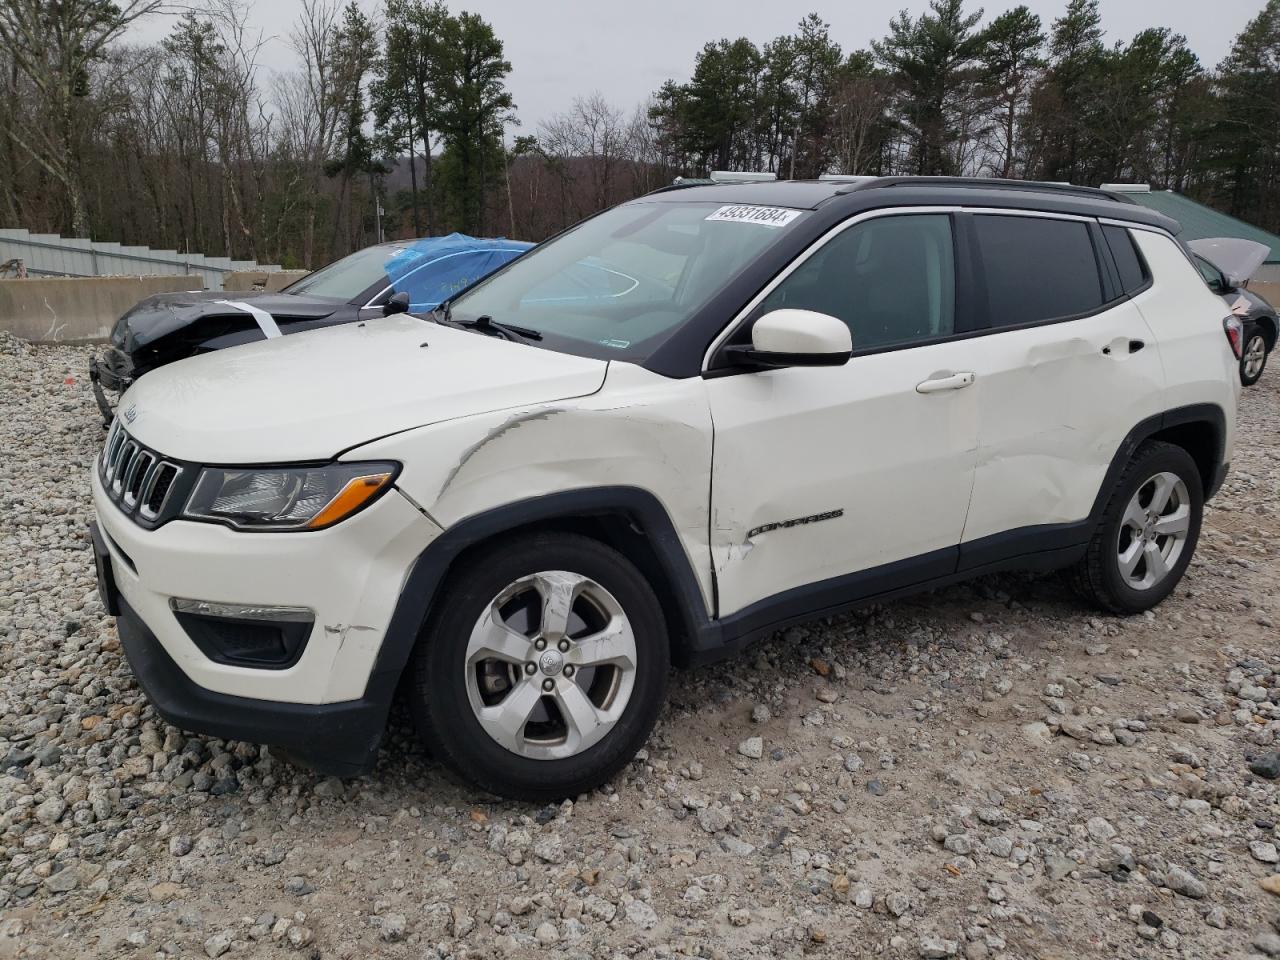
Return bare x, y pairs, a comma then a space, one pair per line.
616, 344
747, 213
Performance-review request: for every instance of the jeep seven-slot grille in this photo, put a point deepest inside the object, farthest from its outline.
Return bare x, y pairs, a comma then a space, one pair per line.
139, 481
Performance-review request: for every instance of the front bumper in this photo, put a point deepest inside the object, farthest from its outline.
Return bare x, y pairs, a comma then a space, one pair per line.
320, 709
339, 739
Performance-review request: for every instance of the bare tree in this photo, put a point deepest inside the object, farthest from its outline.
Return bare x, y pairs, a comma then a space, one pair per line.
55, 46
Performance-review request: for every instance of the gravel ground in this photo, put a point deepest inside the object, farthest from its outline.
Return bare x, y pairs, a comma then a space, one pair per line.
990, 771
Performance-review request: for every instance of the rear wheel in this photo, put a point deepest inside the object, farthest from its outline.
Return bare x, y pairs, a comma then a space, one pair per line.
1147, 534
1253, 360
544, 669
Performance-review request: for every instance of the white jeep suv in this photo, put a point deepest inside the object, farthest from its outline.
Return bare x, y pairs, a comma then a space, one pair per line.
684, 423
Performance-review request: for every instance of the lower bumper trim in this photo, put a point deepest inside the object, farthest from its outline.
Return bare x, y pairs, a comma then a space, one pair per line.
336, 739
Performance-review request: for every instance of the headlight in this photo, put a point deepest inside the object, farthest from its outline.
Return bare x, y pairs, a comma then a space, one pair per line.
287, 498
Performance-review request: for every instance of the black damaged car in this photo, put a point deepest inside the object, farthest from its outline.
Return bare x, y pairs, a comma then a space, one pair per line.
409, 275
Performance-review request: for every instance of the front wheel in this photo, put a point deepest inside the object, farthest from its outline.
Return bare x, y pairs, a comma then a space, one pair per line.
1147, 534
543, 670
1254, 359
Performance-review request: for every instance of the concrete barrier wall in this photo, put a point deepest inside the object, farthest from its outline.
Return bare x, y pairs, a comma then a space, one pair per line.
1267, 291
250, 281
71, 309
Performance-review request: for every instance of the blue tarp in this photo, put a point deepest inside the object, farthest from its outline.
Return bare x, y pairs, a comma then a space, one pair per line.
433, 270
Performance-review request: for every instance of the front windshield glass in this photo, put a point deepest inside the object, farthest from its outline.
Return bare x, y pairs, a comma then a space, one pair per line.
618, 284
349, 277
428, 270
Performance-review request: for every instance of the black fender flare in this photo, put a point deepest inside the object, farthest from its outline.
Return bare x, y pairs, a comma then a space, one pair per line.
422, 585
1196, 413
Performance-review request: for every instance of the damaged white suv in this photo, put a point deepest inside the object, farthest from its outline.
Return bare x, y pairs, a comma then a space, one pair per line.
684, 423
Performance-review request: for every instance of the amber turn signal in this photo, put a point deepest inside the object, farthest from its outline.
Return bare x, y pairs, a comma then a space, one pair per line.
357, 492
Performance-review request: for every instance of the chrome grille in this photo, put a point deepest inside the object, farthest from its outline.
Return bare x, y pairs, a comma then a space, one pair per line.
139, 481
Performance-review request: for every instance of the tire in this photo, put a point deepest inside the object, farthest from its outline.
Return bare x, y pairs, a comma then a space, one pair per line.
463, 699
1251, 364
1100, 577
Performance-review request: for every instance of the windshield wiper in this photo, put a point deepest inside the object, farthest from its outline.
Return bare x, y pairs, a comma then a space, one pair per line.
443, 313
508, 331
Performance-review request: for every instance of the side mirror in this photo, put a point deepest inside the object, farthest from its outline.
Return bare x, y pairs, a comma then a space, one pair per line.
399, 303
1235, 283
795, 338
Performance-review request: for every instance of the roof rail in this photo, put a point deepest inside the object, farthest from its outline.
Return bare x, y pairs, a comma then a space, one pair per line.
681, 183
987, 183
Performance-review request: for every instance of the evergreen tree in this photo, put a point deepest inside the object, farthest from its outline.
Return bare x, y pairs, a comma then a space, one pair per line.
931, 59
1011, 48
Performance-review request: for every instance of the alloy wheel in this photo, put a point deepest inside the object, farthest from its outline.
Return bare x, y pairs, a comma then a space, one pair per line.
550, 665
1153, 531
1255, 356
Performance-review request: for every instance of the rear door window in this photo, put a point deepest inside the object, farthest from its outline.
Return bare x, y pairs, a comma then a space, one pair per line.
1037, 269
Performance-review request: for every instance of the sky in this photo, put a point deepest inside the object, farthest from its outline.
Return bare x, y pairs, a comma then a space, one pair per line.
560, 49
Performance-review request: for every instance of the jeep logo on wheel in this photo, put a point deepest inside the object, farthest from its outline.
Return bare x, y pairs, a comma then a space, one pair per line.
551, 662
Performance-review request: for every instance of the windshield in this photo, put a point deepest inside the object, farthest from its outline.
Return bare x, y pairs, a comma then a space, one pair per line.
429, 271
347, 278
618, 284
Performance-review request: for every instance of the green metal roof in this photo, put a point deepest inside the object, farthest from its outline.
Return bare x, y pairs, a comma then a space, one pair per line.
1199, 221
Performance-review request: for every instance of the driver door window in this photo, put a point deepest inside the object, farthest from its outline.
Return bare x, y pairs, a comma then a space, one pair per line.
891, 279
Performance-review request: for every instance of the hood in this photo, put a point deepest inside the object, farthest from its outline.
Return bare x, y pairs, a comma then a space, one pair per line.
160, 315
1238, 259
312, 395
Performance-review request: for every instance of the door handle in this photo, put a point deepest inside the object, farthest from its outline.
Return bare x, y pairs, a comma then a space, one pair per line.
1115, 346
953, 381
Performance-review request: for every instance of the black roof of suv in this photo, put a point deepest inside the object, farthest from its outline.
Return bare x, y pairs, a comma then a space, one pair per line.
857, 194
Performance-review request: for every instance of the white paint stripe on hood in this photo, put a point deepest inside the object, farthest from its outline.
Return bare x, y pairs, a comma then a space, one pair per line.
266, 322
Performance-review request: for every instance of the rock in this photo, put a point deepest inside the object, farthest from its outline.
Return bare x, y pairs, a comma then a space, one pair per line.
959, 844
50, 811
1267, 767
935, 948
546, 934
1268, 943
300, 937
714, 819
1264, 852
1271, 884
752, 747
549, 848
217, 945
329, 787
64, 881
1180, 881
1100, 829
897, 903
393, 927
761, 714
1057, 867
270, 856
641, 914
180, 845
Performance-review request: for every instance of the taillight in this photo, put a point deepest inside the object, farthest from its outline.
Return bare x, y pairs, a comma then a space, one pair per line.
1234, 330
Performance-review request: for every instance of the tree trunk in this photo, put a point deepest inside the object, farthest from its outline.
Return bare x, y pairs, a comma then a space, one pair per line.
413, 181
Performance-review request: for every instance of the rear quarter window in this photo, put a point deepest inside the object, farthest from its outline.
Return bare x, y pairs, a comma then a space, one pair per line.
1133, 272
1036, 269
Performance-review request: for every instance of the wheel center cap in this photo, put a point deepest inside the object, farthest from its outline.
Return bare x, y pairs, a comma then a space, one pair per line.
551, 662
